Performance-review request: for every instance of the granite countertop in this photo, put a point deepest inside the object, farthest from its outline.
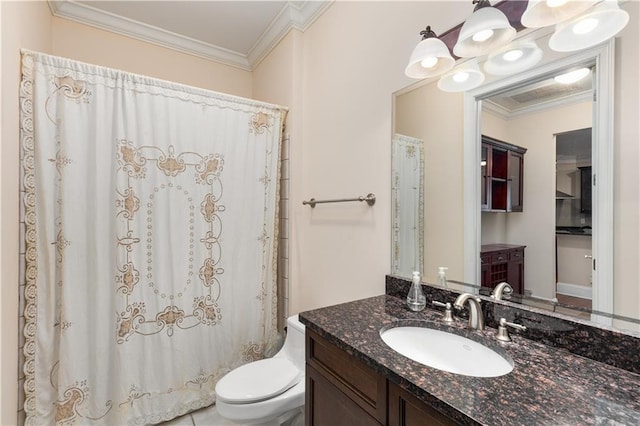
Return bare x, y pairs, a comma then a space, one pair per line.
548, 386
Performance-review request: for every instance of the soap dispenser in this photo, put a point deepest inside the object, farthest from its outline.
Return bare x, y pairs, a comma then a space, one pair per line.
442, 278
415, 299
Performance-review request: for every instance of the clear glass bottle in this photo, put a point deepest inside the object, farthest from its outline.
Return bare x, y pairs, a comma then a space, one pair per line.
442, 278
415, 299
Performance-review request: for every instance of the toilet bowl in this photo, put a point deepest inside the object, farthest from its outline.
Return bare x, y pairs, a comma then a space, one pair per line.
269, 391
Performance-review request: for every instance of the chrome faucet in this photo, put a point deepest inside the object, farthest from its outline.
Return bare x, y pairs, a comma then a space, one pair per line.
476, 317
501, 288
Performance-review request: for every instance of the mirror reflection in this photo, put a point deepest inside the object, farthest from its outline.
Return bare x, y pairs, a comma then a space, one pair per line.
537, 223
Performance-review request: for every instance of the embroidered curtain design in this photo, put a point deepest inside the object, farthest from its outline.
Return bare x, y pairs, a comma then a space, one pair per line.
151, 213
407, 205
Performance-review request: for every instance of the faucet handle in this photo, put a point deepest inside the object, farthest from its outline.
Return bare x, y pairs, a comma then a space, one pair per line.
503, 332
500, 289
448, 315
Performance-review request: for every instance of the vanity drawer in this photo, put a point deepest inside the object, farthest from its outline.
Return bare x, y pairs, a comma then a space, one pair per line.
499, 256
516, 254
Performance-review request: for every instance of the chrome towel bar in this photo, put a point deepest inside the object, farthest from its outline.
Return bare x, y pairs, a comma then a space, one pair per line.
370, 199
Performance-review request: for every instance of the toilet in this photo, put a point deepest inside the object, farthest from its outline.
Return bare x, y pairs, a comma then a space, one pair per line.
269, 391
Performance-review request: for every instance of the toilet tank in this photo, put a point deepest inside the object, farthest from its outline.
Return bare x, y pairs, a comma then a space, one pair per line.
293, 347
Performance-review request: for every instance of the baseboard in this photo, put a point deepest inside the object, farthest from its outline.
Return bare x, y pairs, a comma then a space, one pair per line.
573, 290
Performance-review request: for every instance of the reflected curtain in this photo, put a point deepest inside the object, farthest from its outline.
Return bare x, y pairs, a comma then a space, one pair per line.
407, 205
150, 210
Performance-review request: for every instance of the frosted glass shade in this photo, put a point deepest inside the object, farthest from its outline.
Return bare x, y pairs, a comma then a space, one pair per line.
593, 27
464, 77
429, 51
541, 13
481, 21
514, 58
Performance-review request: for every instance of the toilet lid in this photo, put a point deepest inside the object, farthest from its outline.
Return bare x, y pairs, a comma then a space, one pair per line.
258, 381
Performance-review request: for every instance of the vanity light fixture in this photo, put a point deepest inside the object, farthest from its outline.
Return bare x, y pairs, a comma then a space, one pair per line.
542, 13
514, 58
590, 28
485, 30
572, 76
430, 57
464, 77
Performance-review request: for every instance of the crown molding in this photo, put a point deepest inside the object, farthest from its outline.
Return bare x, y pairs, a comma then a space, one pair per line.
507, 114
295, 14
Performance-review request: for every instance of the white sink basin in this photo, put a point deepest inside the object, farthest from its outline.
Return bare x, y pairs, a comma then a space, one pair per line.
446, 351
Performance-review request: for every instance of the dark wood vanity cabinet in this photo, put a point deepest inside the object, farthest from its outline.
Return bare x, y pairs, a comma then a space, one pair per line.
502, 262
502, 176
341, 390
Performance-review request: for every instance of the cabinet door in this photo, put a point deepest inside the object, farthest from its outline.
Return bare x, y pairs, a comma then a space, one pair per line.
407, 410
356, 381
515, 275
326, 405
485, 270
514, 182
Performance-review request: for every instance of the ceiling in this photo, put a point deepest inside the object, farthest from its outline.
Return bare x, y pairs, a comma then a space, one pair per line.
238, 33
538, 96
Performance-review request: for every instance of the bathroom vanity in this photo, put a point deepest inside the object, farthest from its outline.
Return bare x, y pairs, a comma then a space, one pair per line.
354, 378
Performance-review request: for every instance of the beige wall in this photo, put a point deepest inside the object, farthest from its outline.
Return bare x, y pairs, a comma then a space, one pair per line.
23, 24
439, 124
353, 60
88, 44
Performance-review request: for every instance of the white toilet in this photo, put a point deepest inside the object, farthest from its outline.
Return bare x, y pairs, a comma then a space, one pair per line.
269, 391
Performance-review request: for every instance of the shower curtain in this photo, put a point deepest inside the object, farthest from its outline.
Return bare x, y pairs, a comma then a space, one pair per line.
151, 234
407, 205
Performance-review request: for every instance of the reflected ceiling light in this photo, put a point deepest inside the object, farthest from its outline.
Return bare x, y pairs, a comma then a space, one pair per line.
464, 77
430, 57
593, 27
541, 13
514, 58
486, 29
572, 76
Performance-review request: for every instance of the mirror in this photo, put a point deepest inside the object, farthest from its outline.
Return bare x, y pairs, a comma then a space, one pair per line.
454, 234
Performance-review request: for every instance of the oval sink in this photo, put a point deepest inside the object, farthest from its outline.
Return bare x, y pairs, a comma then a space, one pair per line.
446, 351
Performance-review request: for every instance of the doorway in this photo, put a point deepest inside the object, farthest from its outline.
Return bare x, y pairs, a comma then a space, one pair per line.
574, 226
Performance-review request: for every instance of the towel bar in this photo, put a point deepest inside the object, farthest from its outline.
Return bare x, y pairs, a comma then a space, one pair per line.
370, 199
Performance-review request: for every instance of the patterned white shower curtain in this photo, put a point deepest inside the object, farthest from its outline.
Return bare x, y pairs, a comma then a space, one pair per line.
407, 205
151, 230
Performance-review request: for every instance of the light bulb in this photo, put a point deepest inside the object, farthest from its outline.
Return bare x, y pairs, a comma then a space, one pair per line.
513, 55
556, 3
572, 76
461, 77
584, 26
483, 35
429, 62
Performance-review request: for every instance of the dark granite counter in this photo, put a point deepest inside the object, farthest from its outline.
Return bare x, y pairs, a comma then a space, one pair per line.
548, 385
